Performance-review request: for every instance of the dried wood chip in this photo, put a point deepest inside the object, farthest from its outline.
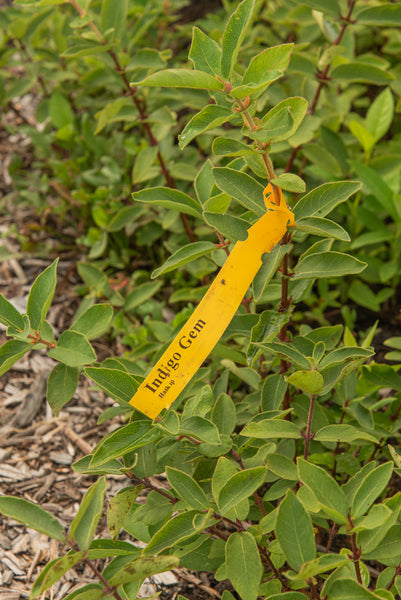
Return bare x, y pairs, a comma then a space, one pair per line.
21, 543
8, 472
5, 543
8, 576
167, 578
12, 566
33, 401
60, 458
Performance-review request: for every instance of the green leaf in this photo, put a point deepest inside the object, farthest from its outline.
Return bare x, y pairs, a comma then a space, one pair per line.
327, 264
169, 198
361, 73
275, 58
342, 433
124, 440
380, 114
330, 7
108, 113
377, 186
239, 487
322, 227
205, 53
177, 529
144, 169
181, 78
41, 296
386, 14
243, 565
228, 226
104, 548
61, 386
342, 355
224, 414
370, 488
32, 516
53, 571
223, 146
325, 562
9, 315
244, 188
388, 551
382, 376
331, 497
294, 532
143, 567
310, 382
323, 199
204, 182
112, 467
116, 383
113, 16
349, 589
282, 466
187, 488
91, 591
94, 321
119, 507
378, 515
141, 293
266, 329
210, 116
371, 237
223, 471
255, 89
273, 391
271, 428
184, 255
201, 429
83, 526
335, 145
282, 121
60, 110
288, 596
234, 34
270, 263
288, 352
289, 182
12, 351
73, 349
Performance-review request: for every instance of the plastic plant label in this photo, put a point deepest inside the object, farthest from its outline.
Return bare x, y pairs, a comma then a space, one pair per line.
212, 316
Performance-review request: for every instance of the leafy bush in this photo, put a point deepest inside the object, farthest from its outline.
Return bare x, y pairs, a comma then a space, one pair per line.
281, 452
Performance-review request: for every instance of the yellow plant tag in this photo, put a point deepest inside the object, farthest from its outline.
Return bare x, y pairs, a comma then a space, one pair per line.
212, 316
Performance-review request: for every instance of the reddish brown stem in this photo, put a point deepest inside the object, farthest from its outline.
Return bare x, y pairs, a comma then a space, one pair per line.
109, 589
308, 436
356, 553
323, 78
332, 532
36, 339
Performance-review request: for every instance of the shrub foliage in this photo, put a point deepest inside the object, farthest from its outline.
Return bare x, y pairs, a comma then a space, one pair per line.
281, 452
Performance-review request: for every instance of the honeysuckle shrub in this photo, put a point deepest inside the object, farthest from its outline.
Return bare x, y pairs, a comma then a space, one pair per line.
282, 453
